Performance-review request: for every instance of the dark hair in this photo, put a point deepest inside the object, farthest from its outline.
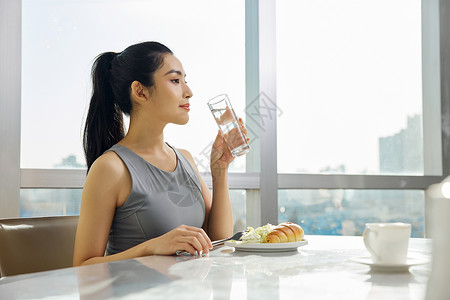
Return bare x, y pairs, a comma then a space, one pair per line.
112, 75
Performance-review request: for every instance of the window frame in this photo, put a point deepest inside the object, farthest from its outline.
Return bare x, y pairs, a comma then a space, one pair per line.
261, 180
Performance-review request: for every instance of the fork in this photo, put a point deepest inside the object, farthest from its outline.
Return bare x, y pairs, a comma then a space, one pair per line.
235, 237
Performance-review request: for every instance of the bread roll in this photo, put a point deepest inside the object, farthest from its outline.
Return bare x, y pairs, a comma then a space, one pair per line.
285, 233
298, 230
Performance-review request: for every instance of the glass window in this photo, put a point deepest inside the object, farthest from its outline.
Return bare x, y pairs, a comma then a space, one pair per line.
60, 40
345, 212
61, 202
349, 85
49, 202
237, 198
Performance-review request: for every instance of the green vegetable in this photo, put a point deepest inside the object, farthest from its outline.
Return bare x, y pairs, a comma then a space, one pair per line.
257, 235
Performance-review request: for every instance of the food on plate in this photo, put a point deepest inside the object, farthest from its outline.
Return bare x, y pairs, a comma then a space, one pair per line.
256, 235
282, 233
285, 233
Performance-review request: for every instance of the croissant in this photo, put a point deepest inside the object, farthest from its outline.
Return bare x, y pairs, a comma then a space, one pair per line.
285, 233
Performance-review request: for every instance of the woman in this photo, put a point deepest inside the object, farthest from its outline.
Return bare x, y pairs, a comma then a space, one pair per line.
142, 196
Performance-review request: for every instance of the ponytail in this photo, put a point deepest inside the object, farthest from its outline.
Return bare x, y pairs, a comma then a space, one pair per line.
112, 75
104, 122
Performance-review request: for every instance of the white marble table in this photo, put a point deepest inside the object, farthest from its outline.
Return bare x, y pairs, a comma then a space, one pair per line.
323, 269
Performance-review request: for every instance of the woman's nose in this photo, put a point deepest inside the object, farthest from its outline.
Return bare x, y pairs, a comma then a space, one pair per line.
187, 92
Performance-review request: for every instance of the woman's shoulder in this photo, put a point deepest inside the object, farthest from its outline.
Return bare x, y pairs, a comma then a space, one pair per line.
186, 154
189, 158
108, 179
108, 163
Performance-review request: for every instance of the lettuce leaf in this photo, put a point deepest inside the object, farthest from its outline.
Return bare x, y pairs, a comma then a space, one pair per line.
257, 235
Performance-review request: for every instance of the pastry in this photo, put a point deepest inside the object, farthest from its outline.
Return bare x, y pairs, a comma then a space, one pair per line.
285, 233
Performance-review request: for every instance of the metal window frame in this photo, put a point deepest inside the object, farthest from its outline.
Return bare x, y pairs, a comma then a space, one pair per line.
10, 89
261, 180
75, 178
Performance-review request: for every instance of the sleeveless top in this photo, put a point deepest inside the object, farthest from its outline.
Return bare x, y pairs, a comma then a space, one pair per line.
159, 201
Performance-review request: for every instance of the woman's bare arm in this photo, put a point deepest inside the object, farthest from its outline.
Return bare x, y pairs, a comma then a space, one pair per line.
219, 216
107, 186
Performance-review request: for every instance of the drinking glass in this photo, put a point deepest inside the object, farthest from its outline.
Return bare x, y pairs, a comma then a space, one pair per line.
227, 121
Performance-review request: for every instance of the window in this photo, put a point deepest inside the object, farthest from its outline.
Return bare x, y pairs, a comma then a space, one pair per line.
49, 202
61, 202
59, 43
61, 39
345, 212
355, 86
349, 84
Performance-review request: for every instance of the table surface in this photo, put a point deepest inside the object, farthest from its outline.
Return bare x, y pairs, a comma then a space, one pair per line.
323, 269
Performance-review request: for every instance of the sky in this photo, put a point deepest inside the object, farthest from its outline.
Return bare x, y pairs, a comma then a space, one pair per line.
348, 72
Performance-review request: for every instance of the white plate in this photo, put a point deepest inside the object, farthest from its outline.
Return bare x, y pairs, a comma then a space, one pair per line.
390, 268
266, 247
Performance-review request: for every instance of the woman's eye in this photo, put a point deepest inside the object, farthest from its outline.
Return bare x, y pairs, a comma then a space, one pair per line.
175, 80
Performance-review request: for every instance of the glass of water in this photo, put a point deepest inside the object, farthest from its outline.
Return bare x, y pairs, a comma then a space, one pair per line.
228, 123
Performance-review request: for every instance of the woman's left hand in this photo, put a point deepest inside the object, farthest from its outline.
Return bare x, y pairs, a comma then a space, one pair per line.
221, 156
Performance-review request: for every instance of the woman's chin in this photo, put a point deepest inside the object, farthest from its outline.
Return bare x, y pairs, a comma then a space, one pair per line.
182, 121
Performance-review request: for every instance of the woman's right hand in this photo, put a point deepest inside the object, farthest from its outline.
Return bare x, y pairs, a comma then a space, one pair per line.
183, 238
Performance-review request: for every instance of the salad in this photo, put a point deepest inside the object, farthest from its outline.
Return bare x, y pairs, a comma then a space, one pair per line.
257, 235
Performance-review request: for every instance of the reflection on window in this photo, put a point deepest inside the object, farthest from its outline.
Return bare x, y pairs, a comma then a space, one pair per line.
345, 212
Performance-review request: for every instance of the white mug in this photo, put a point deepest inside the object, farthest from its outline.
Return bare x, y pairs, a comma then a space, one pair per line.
387, 243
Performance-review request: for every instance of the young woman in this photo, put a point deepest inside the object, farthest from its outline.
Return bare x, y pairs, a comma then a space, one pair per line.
143, 196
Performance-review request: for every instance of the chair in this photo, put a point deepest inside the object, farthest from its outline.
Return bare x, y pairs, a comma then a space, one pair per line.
36, 244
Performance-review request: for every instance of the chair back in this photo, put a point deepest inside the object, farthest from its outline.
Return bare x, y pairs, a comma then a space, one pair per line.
36, 244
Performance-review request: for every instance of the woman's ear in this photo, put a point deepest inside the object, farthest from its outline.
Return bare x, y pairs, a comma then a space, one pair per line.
139, 92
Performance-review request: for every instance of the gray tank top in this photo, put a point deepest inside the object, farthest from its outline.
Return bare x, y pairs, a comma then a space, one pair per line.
159, 201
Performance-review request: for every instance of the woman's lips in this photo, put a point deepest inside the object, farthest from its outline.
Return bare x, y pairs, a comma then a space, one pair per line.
185, 106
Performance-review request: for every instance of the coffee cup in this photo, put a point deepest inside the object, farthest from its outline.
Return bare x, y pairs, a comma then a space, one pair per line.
387, 243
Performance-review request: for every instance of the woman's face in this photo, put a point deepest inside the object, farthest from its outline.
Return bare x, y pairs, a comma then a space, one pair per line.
169, 97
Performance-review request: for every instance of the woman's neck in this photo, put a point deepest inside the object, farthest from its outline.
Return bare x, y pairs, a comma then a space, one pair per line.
148, 142
144, 136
